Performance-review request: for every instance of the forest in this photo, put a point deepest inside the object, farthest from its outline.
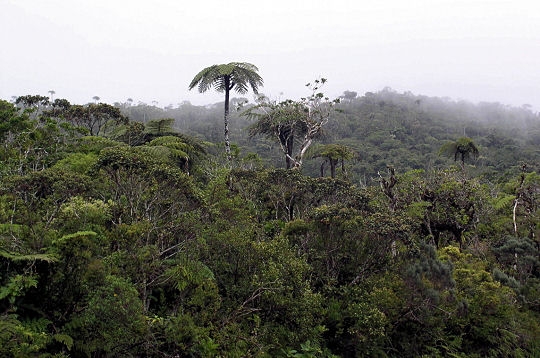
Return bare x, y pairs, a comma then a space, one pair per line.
381, 225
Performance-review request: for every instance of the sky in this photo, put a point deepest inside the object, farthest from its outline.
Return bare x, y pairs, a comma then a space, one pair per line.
149, 51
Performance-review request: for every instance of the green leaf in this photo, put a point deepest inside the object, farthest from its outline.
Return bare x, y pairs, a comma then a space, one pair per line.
77, 234
503, 201
28, 257
16, 285
65, 339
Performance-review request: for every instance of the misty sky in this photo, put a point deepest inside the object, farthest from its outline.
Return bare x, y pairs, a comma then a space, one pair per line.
478, 50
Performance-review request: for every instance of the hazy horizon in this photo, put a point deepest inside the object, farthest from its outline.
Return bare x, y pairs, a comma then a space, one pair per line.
479, 51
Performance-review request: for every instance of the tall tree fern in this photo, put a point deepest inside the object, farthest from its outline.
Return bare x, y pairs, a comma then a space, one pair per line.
237, 76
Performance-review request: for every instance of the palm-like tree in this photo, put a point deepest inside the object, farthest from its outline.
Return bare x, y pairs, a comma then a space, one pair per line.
237, 76
463, 148
176, 149
333, 154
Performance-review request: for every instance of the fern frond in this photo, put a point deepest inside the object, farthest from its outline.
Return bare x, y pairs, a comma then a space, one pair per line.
242, 74
64, 339
12, 256
189, 272
503, 201
78, 234
156, 151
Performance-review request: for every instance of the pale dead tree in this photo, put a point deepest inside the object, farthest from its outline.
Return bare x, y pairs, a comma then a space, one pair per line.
294, 124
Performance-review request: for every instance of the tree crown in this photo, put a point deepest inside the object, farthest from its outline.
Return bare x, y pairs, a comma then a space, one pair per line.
239, 76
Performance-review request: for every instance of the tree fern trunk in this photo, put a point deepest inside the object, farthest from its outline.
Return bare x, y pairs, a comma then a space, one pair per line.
226, 126
333, 163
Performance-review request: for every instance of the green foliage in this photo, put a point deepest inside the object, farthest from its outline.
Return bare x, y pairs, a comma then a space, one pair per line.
307, 349
112, 321
16, 286
159, 127
132, 133
149, 246
487, 318
93, 144
463, 148
81, 214
333, 154
237, 75
188, 273
95, 118
31, 257
520, 257
178, 150
77, 162
29, 338
293, 123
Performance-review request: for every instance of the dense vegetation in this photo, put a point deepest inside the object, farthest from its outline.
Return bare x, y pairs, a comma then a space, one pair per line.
126, 231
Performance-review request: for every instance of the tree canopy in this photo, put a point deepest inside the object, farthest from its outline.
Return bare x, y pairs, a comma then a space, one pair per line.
137, 239
463, 148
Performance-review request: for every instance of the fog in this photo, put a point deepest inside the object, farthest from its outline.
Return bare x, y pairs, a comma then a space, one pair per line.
476, 50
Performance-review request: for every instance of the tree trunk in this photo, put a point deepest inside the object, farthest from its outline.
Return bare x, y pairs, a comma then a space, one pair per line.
299, 158
289, 146
333, 163
226, 123
514, 211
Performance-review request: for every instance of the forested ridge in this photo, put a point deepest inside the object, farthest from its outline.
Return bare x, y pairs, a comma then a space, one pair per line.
409, 228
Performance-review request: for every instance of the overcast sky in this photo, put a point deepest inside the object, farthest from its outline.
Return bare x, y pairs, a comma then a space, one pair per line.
477, 50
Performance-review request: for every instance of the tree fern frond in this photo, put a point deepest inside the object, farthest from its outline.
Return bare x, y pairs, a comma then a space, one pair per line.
64, 339
189, 273
173, 143
160, 126
164, 140
16, 285
78, 234
448, 148
219, 84
241, 87
198, 147
13, 256
243, 75
9, 228
160, 152
200, 79
503, 201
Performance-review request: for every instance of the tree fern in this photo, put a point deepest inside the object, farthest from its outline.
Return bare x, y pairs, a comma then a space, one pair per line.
179, 150
463, 148
237, 76
159, 127
503, 201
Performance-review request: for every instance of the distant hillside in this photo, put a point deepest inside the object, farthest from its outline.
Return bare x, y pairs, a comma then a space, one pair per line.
384, 128
407, 131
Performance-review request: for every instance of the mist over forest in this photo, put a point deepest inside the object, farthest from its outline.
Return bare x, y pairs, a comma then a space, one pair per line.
383, 128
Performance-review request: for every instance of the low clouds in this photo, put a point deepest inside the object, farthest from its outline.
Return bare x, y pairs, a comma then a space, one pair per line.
476, 50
